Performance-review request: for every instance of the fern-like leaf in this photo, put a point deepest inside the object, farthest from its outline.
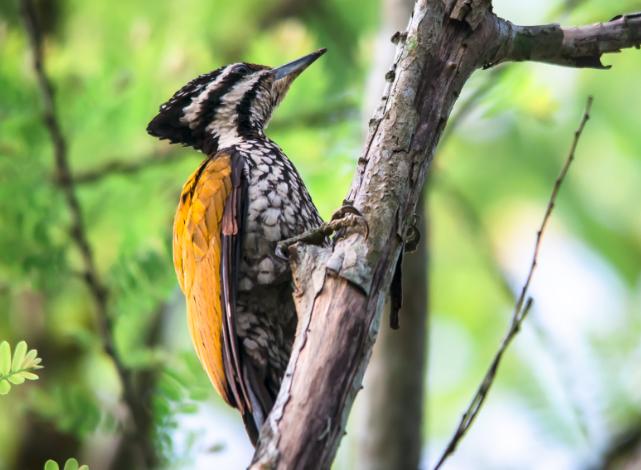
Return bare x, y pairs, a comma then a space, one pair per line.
70, 464
15, 370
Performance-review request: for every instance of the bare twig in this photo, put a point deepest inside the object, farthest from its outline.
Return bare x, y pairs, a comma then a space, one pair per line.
466, 209
123, 167
469, 105
339, 312
521, 308
77, 230
145, 383
313, 118
339, 110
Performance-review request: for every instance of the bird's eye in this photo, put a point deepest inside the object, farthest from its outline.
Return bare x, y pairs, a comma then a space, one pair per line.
242, 68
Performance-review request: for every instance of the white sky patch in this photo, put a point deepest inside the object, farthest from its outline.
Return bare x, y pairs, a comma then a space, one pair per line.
523, 12
220, 441
577, 297
451, 354
504, 437
575, 291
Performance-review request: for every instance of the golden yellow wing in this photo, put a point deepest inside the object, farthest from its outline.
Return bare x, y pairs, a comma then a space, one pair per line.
197, 258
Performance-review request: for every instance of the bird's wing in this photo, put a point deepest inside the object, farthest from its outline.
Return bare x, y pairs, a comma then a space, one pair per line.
207, 236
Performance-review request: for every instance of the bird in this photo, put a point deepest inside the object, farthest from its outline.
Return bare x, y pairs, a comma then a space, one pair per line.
244, 198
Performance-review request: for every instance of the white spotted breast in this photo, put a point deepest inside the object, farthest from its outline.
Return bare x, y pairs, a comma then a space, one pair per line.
279, 207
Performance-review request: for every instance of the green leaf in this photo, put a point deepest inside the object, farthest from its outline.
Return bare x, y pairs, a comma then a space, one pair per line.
30, 359
19, 369
51, 465
188, 408
29, 375
16, 379
5, 358
18, 355
71, 464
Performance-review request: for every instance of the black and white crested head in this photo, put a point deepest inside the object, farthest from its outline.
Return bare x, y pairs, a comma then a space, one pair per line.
221, 108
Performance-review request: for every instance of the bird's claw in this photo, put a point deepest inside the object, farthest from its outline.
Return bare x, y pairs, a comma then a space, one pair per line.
280, 250
346, 208
345, 218
348, 216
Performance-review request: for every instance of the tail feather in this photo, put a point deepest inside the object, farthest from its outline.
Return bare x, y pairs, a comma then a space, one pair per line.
250, 427
261, 403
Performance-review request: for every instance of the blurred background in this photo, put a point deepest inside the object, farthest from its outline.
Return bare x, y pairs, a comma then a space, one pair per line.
568, 395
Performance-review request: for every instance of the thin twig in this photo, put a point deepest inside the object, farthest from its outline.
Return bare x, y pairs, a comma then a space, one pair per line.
124, 167
469, 105
521, 308
313, 118
77, 229
466, 209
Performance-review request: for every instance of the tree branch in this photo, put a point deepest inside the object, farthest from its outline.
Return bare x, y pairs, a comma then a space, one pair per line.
168, 155
125, 167
521, 308
572, 47
340, 290
77, 230
390, 428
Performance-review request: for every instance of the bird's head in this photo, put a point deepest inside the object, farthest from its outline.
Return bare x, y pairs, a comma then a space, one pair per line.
218, 109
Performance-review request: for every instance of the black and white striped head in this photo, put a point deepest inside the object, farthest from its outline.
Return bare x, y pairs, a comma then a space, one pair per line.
223, 107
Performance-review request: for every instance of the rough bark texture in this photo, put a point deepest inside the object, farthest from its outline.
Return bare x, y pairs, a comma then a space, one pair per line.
390, 407
330, 354
341, 290
573, 47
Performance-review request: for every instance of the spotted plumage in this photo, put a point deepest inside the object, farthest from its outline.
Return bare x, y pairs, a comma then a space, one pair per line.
244, 198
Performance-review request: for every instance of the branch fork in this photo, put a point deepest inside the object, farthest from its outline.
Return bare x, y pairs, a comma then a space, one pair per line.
341, 289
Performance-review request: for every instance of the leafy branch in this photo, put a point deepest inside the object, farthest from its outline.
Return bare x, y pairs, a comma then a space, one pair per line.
78, 233
15, 370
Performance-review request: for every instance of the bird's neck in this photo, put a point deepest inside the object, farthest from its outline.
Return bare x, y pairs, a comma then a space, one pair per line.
224, 136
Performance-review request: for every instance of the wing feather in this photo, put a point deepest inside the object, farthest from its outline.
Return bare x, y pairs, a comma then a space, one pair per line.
208, 231
197, 258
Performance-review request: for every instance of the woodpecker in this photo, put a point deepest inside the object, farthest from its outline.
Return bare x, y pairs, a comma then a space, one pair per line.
243, 199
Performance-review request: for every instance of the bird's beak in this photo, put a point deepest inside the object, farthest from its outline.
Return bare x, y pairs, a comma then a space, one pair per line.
293, 69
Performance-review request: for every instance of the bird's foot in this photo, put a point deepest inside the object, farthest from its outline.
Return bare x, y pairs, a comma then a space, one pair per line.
348, 218
344, 220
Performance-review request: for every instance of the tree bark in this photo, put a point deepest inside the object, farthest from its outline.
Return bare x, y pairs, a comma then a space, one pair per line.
340, 291
390, 409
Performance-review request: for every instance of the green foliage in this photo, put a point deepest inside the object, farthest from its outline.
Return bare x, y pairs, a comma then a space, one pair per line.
70, 464
14, 371
112, 67
72, 408
181, 386
140, 282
